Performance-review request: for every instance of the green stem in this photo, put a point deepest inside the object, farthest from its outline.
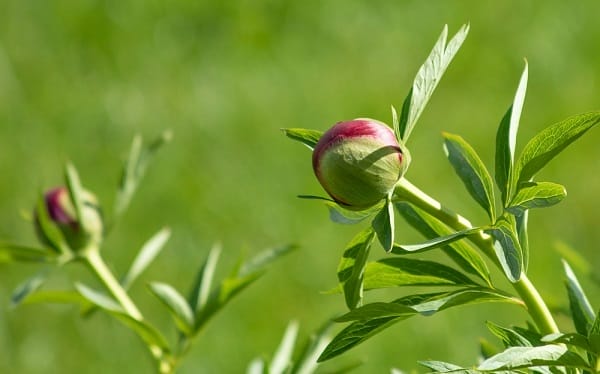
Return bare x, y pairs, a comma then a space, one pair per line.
536, 307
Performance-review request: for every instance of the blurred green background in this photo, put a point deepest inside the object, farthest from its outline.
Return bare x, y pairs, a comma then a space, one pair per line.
79, 78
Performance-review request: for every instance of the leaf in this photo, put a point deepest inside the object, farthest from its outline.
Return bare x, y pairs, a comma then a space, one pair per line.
351, 268
309, 138
14, 252
434, 243
525, 357
396, 123
428, 77
444, 367
471, 171
134, 170
176, 304
506, 139
343, 216
146, 332
28, 287
536, 195
521, 220
509, 337
282, 359
146, 255
354, 334
201, 291
47, 230
462, 253
383, 224
400, 271
76, 193
581, 310
551, 141
55, 297
377, 310
307, 360
573, 339
263, 259
507, 248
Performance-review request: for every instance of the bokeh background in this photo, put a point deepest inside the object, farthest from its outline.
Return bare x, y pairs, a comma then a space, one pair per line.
79, 78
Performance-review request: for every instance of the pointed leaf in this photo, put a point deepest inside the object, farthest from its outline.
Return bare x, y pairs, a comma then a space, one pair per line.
383, 224
396, 123
282, 359
263, 259
343, 216
471, 171
55, 297
507, 248
257, 366
536, 195
523, 236
525, 357
309, 138
201, 290
400, 271
146, 255
434, 243
307, 360
573, 339
445, 367
509, 337
581, 309
351, 268
47, 229
377, 310
461, 252
428, 77
506, 139
550, 142
75, 192
28, 287
176, 304
13, 252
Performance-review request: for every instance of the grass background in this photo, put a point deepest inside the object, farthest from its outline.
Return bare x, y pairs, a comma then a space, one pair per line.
79, 78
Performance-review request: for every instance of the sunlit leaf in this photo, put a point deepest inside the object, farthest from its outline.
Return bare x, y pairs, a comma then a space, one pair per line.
472, 172
201, 290
434, 243
507, 248
428, 77
307, 359
76, 192
383, 224
536, 195
548, 143
377, 310
145, 256
343, 216
13, 252
572, 339
445, 367
581, 309
309, 138
506, 139
351, 268
524, 357
263, 259
176, 304
282, 359
509, 337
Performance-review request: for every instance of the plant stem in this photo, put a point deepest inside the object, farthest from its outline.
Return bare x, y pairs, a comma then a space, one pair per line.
536, 307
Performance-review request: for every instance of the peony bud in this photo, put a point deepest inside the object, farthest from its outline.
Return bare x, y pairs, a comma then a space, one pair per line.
359, 162
61, 211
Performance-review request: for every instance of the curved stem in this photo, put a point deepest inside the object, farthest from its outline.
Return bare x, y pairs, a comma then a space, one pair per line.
536, 307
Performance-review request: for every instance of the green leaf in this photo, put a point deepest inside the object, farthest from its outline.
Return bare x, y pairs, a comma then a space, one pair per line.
282, 359
343, 216
307, 359
309, 138
572, 339
521, 220
377, 310
471, 171
176, 304
14, 252
145, 331
263, 259
536, 195
396, 123
445, 367
55, 297
146, 255
28, 287
354, 334
351, 268
434, 243
201, 290
383, 224
400, 271
581, 310
428, 77
462, 253
47, 229
506, 139
509, 337
134, 170
507, 248
551, 141
76, 193
525, 357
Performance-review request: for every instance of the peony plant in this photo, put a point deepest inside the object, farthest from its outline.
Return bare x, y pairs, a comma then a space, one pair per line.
361, 164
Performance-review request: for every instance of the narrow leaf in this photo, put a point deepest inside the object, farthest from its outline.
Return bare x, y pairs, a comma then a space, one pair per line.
551, 141
377, 310
573, 339
521, 220
351, 268
396, 123
581, 309
201, 290
263, 259
307, 360
461, 252
75, 192
283, 356
526, 357
55, 297
507, 248
434, 243
444, 367
471, 171
146, 255
383, 224
509, 337
343, 216
428, 77
47, 229
176, 304
536, 195
13, 252
97, 298
400, 271
28, 287
309, 138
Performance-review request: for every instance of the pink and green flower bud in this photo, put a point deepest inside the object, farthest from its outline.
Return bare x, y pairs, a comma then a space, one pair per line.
359, 162
61, 212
